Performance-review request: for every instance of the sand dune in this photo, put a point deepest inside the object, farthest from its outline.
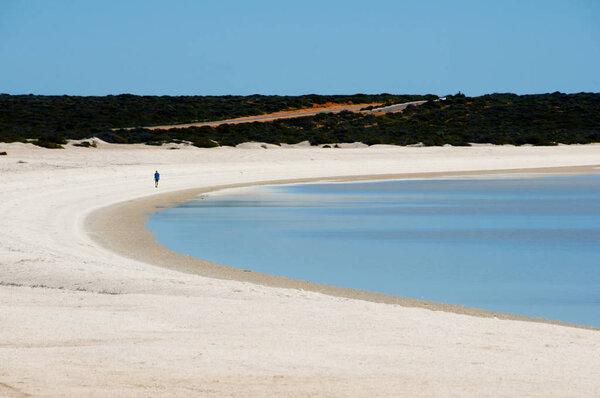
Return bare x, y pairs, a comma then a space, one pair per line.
77, 319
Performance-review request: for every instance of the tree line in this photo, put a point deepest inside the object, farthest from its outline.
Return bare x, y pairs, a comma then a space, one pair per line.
51, 117
541, 119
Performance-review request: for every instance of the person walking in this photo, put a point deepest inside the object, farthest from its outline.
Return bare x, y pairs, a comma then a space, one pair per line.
156, 178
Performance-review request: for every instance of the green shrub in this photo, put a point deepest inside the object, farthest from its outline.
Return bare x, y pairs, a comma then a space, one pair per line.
86, 144
204, 142
47, 144
320, 138
372, 141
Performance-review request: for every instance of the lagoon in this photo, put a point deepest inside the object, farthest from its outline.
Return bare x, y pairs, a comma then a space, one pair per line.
528, 246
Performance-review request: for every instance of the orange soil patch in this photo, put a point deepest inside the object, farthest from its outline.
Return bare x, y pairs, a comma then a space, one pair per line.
321, 107
331, 105
272, 116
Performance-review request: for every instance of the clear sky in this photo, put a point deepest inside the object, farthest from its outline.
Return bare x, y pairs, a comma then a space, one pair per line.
218, 47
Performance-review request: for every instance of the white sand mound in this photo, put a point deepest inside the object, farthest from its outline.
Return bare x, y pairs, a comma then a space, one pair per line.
256, 145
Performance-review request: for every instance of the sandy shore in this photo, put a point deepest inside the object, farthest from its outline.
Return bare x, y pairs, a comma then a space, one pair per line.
130, 218
79, 319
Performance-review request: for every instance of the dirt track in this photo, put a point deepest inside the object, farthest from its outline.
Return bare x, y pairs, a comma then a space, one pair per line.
270, 117
293, 114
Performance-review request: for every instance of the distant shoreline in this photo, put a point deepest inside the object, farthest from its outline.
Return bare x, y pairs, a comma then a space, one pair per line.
113, 227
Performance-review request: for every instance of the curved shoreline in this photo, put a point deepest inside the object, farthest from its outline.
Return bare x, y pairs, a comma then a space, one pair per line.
121, 228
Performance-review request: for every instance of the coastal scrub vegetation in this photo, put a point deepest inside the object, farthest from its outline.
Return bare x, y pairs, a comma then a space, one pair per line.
541, 119
35, 116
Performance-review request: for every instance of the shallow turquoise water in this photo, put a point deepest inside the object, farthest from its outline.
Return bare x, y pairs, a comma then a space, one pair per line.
527, 246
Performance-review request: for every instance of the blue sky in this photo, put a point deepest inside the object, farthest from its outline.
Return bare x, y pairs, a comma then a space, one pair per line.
298, 47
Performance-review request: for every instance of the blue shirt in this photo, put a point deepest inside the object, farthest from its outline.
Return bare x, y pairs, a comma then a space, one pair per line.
156, 176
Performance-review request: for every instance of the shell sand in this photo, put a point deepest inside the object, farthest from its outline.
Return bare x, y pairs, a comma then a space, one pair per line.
91, 305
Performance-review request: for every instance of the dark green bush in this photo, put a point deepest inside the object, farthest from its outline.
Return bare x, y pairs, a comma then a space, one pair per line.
86, 144
205, 142
47, 144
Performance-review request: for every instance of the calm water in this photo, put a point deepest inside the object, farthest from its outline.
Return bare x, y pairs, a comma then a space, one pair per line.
529, 246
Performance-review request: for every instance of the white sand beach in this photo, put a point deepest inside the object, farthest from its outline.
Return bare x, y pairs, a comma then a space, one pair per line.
84, 314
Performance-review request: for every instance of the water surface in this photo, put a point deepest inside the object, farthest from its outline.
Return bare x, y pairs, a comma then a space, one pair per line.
527, 246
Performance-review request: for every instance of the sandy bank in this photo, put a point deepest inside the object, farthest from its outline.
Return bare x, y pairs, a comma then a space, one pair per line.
78, 319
